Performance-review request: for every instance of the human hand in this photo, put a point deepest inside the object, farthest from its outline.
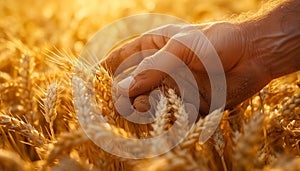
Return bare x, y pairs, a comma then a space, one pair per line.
245, 74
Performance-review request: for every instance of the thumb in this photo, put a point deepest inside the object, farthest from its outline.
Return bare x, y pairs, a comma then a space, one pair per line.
152, 70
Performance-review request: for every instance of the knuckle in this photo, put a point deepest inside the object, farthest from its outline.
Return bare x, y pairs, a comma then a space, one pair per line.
147, 64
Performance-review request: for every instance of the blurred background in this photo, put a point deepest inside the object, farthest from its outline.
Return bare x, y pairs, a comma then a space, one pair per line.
68, 24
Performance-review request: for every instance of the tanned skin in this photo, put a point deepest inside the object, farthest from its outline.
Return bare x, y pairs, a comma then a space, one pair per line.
252, 52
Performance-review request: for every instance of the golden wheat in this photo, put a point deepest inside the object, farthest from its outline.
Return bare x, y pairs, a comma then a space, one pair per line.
44, 125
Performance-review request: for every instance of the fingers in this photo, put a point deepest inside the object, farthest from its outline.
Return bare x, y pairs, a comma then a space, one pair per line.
139, 48
183, 87
142, 103
144, 46
123, 106
146, 103
151, 71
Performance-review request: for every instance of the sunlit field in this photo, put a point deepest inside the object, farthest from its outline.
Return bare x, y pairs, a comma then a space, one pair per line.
40, 42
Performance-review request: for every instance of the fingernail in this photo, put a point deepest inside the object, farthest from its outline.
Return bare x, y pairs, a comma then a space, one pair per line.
125, 84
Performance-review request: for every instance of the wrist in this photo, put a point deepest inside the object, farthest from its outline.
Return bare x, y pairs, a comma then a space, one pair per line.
274, 41
253, 50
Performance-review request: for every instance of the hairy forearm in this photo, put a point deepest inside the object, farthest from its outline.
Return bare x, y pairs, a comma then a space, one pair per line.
274, 38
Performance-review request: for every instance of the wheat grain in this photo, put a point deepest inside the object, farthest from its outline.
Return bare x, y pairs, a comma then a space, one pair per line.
65, 143
162, 117
211, 122
49, 105
25, 73
219, 146
30, 28
248, 143
25, 129
103, 89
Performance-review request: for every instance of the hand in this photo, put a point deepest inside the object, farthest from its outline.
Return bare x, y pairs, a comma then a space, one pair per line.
245, 74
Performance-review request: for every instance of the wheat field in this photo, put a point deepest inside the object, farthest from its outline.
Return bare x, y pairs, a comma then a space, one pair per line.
39, 129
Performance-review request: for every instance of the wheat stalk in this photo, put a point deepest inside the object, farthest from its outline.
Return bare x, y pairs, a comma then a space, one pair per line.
49, 104
248, 143
25, 129
272, 144
177, 107
65, 143
291, 104
99, 129
211, 123
66, 61
104, 98
103, 89
219, 146
25, 72
162, 119
180, 157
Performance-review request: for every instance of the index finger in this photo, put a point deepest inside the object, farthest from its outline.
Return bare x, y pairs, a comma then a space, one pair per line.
139, 48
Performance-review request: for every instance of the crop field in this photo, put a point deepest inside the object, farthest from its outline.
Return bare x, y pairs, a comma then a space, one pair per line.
40, 42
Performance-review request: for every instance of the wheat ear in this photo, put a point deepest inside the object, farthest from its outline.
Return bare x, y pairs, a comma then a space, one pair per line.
220, 145
49, 105
291, 104
248, 143
177, 107
162, 117
178, 158
25, 79
37, 139
65, 143
96, 129
103, 86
